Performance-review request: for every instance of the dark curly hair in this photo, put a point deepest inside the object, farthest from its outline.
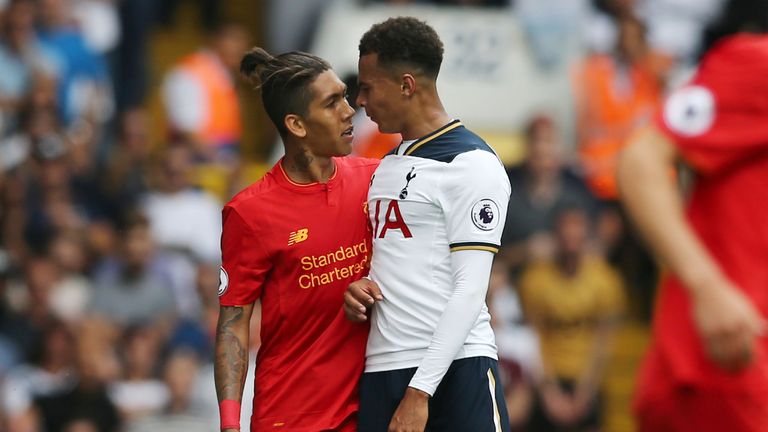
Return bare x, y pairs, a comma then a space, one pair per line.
284, 81
404, 41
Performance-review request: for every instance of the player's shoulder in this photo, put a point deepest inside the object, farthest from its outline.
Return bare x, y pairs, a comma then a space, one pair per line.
447, 143
356, 163
254, 193
356, 169
743, 54
744, 45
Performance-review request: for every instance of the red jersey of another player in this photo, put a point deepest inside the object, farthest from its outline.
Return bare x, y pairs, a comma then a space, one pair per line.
719, 122
297, 247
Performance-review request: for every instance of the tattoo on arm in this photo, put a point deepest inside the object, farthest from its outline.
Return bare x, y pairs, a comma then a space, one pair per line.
231, 354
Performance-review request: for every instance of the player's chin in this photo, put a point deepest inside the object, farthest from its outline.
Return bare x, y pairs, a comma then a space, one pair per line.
344, 147
386, 129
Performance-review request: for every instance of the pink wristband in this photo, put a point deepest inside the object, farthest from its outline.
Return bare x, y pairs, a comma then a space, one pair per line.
229, 413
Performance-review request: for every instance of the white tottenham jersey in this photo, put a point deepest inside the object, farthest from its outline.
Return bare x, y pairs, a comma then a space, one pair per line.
443, 193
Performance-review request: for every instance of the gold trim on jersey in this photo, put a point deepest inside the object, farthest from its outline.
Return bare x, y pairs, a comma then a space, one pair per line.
491, 249
428, 138
285, 174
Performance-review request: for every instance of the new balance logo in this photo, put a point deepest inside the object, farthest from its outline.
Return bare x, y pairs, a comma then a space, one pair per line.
298, 236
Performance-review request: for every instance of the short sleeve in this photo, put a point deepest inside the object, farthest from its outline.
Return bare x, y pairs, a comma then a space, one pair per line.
474, 197
720, 118
245, 263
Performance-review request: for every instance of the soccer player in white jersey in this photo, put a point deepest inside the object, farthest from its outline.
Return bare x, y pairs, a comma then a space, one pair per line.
436, 204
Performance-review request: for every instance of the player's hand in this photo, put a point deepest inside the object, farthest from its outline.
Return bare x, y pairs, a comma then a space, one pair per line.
412, 413
728, 324
230, 430
359, 298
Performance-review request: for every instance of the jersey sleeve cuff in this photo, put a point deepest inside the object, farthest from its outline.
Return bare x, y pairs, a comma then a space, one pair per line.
489, 247
426, 388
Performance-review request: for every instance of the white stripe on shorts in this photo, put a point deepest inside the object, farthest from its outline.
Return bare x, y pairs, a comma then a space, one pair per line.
492, 388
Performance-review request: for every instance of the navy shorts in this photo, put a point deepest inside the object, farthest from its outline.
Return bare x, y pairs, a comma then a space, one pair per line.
470, 398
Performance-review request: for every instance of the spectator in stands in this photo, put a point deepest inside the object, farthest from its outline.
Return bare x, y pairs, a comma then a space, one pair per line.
40, 275
126, 175
17, 335
21, 56
87, 403
52, 202
49, 372
200, 96
139, 392
615, 94
71, 294
84, 91
182, 217
183, 412
573, 301
541, 184
518, 344
131, 294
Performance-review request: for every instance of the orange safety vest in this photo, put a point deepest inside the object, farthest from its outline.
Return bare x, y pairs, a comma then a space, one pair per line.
223, 124
607, 117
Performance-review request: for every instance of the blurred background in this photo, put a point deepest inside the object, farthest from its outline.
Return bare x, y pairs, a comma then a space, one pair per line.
124, 128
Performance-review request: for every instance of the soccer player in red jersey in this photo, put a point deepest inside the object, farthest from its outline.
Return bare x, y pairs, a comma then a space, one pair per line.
707, 368
295, 240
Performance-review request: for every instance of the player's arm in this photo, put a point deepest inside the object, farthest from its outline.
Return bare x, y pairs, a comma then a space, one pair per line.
474, 178
231, 362
471, 274
724, 317
245, 263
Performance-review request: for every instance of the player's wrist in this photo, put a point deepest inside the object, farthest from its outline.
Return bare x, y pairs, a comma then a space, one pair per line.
229, 415
706, 285
417, 394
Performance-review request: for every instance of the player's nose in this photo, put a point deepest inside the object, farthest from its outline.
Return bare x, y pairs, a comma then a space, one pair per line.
348, 111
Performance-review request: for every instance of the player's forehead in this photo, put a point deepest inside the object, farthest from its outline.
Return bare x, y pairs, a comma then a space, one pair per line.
370, 70
327, 85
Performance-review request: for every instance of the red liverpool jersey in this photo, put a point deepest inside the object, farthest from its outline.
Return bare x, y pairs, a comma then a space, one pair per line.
719, 122
297, 247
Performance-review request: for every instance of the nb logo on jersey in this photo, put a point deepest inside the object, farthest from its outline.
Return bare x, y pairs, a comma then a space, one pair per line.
298, 236
408, 177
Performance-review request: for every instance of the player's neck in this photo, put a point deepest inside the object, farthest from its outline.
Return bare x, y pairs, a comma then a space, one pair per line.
420, 126
303, 167
425, 119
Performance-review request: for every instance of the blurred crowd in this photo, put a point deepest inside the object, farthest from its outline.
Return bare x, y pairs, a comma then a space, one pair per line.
110, 251
109, 246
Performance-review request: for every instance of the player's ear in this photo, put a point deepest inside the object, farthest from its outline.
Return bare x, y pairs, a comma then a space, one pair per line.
295, 125
407, 85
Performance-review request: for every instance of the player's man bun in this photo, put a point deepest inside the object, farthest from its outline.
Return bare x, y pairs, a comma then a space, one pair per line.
254, 62
284, 81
